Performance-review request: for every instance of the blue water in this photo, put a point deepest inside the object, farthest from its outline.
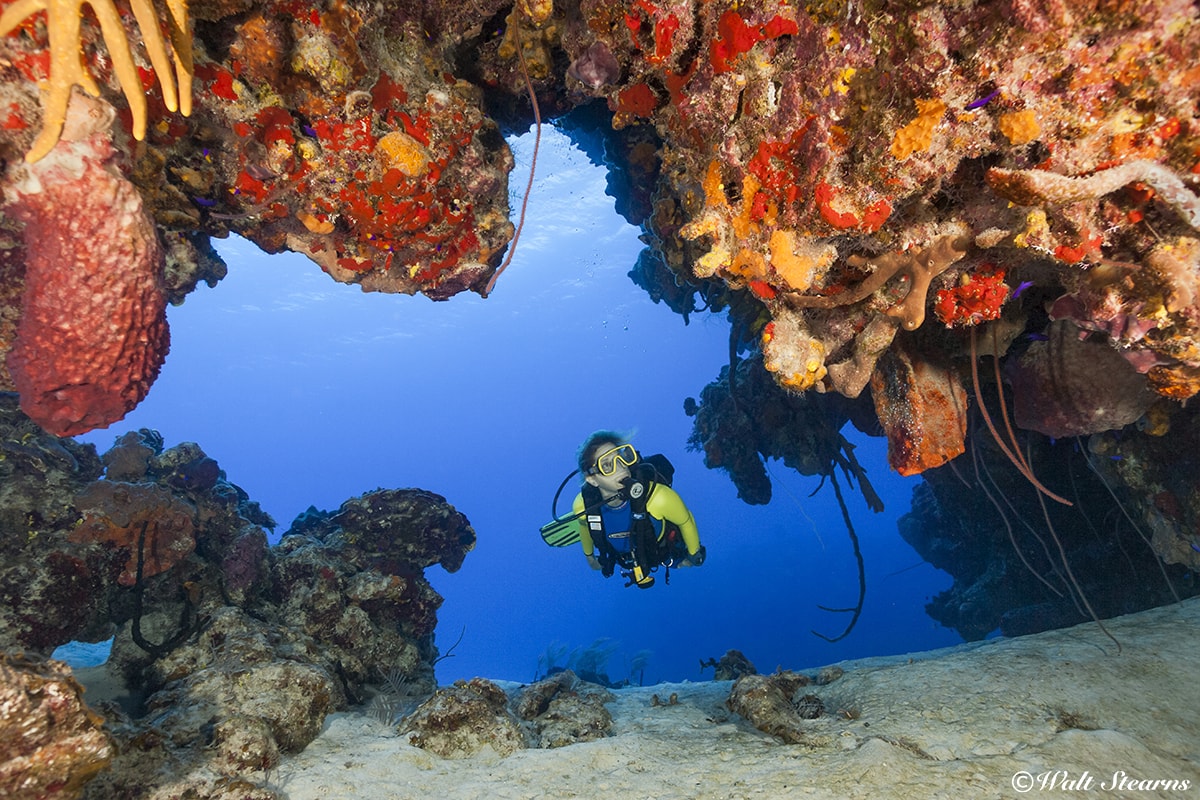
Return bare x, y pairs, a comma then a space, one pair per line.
308, 392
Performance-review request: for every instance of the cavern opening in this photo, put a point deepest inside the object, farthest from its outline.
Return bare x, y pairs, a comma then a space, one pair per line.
907, 292
308, 392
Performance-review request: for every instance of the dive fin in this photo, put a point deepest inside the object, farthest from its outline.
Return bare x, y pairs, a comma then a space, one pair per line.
561, 532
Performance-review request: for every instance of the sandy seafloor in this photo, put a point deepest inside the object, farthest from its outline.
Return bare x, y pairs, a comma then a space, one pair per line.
1055, 714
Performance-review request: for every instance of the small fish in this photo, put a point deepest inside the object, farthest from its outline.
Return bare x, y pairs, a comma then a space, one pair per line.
983, 101
1020, 288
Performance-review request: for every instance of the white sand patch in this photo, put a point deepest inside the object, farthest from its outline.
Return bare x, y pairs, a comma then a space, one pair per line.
967, 721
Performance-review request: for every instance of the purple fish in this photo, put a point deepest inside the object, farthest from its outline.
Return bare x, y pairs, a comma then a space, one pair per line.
983, 101
1022, 286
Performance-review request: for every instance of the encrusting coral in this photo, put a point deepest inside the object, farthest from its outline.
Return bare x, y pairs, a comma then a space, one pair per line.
796, 156
808, 154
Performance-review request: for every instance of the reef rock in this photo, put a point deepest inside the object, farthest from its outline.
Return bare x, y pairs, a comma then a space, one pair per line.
51, 743
52, 590
461, 720
364, 530
772, 704
563, 710
743, 417
730, 667
232, 652
354, 577
1019, 569
155, 529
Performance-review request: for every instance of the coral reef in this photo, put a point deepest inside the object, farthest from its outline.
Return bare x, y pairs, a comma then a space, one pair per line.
338, 133
51, 743
234, 651
848, 190
744, 417
460, 720
1126, 537
831, 174
730, 667
1154, 472
887, 206
774, 705
49, 593
563, 710
879, 194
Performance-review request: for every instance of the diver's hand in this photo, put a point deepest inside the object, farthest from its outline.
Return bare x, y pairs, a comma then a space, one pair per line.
695, 559
593, 562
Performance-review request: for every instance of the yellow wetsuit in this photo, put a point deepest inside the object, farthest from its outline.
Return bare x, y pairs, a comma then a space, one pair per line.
664, 504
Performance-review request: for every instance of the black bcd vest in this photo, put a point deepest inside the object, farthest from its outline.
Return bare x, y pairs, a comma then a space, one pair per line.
645, 548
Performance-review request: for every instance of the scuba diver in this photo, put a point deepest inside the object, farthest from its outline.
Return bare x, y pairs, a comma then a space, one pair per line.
626, 514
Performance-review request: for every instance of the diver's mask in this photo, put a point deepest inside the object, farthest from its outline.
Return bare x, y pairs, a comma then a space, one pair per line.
606, 462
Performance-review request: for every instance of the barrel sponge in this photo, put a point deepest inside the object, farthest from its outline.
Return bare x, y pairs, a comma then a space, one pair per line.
93, 329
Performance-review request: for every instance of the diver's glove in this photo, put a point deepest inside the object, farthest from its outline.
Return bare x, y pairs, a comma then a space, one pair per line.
695, 559
593, 562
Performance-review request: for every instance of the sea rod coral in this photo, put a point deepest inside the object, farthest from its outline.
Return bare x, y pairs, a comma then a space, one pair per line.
63, 19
